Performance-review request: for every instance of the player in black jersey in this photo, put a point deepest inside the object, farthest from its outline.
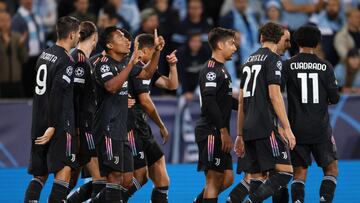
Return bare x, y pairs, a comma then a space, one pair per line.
260, 106
53, 136
212, 129
241, 190
110, 122
148, 156
84, 109
311, 87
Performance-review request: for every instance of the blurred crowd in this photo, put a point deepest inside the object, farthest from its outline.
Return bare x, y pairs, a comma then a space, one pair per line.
27, 27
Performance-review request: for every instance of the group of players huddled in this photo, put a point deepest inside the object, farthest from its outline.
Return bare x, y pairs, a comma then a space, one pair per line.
90, 116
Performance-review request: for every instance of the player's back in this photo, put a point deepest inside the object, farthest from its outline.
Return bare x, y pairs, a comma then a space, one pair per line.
311, 86
53, 71
260, 70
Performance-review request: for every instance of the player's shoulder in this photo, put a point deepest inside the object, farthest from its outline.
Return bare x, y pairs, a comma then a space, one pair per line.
78, 56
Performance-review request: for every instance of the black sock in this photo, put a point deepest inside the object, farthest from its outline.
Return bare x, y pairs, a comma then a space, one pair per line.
33, 190
298, 191
160, 195
100, 197
281, 196
210, 200
199, 198
59, 191
239, 192
272, 184
82, 194
254, 185
97, 186
327, 189
113, 193
135, 187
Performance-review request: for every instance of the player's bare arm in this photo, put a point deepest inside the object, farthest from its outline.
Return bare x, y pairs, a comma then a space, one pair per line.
171, 82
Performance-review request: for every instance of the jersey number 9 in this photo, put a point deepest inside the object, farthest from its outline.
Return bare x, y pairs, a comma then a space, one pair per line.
41, 75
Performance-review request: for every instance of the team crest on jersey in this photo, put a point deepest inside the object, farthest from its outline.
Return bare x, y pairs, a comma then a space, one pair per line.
279, 65
69, 70
105, 68
211, 76
79, 72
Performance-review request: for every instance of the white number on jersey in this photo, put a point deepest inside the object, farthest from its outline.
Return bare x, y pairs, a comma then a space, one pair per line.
41, 75
304, 87
249, 73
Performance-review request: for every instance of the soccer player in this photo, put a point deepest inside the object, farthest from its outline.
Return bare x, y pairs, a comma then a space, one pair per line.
110, 123
148, 155
53, 148
260, 107
84, 99
241, 190
212, 129
311, 87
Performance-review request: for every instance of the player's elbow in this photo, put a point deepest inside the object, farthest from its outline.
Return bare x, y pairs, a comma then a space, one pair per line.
110, 88
334, 99
145, 74
173, 85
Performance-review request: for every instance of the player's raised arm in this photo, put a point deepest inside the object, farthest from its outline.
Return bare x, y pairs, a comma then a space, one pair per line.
171, 82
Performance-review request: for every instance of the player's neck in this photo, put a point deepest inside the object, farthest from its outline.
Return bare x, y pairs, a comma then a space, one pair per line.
64, 44
116, 57
271, 46
218, 57
306, 50
86, 48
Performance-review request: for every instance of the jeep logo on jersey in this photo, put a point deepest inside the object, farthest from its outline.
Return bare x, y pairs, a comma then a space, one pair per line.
279, 65
69, 70
217, 161
211, 76
79, 72
105, 68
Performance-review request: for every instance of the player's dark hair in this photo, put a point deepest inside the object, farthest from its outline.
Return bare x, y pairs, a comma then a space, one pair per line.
271, 32
127, 34
219, 34
145, 40
307, 36
65, 25
87, 29
106, 36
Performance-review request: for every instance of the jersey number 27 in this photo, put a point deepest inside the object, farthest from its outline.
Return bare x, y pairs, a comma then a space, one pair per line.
249, 72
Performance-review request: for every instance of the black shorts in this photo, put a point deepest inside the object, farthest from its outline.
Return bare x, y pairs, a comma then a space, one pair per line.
263, 154
137, 149
38, 159
211, 157
323, 153
114, 156
243, 164
152, 149
87, 147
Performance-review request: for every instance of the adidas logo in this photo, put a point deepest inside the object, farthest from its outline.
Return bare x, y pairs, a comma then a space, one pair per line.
322, 199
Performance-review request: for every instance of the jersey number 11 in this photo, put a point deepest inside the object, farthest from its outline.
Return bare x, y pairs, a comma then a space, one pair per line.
304, 87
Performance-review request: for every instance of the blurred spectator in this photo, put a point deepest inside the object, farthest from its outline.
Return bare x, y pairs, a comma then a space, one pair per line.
13, 54
297, 13
109, 17
349, 36
82, 11
3, 5
129, 11
149, 21
25, 21
193, 23
348, 76
65, 7
192, 57
180, 6
273, 13
329, 22
9, 5
212, 10
47, 11
242, 20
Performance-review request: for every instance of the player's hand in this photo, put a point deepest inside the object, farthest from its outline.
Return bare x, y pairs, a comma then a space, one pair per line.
290, 138
46, 137
135, 57
164, 134
131, 102
227, 144
239, 146
159, 41
172, 59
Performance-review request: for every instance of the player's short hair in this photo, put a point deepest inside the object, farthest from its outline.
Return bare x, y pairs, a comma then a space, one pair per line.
87, 29
271, 32
65, 25
219, 34
145, 40
307, 36
127, 34
106, 36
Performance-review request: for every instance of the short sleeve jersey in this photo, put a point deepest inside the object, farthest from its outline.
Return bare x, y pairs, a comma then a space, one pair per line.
53, 104
111, 109
261, 69
308, 80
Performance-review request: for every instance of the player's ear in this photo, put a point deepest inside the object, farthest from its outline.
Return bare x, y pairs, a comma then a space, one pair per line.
109, 46
220, 45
